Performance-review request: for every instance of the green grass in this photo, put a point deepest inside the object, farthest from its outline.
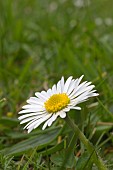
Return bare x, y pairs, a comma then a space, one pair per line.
39, 42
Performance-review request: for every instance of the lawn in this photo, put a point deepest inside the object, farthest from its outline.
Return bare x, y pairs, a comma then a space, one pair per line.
41, 41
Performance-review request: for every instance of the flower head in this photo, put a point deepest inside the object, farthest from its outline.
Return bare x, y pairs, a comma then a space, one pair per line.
57, 101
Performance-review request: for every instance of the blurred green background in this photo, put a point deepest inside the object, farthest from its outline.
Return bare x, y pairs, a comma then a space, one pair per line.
42, 40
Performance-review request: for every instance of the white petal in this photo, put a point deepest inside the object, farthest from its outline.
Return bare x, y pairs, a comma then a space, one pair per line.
30, 129
49, 121
38, 122
67, 84
41, 96
67, 109
29, 123
72, 87
54, 89
93, 94
34, 100
78, 81
81, 101
62, 84
84, 89
45, 118
58, 87
32, 110
49, 92
45, 94
31, 114
76, 108
27, 120
32, 118
72, 91
84, 84
76, 84
45, 125
29, 106
52, 119
84, 96
62, 114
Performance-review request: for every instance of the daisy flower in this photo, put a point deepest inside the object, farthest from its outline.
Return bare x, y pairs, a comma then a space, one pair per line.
57, 101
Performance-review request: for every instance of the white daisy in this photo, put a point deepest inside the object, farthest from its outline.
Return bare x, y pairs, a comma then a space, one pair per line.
57, 101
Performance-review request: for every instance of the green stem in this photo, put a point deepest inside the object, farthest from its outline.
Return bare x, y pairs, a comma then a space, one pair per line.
96, 159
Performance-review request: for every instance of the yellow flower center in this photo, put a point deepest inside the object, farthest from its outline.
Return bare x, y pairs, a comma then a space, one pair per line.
57, 102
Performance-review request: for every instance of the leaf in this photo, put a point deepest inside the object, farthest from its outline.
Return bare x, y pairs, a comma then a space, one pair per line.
10, 122
53, 149
20, 135
39, 141
104, 128
59, 158
84, 162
